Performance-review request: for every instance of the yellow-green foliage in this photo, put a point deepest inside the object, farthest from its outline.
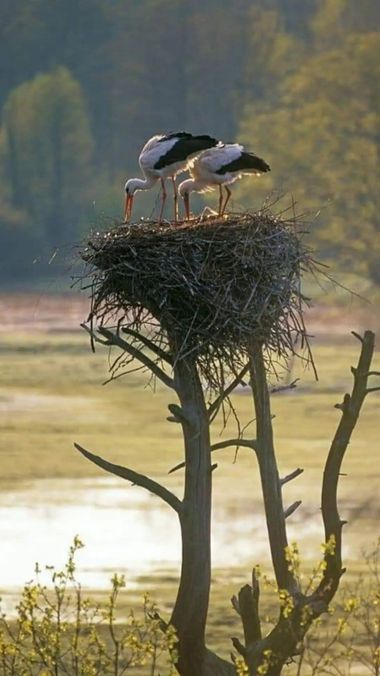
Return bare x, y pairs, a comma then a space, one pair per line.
58, 630
318, 130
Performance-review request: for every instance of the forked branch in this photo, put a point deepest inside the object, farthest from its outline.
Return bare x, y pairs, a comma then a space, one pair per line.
135, 477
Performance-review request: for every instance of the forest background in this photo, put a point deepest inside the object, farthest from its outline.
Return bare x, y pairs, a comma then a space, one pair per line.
84, 83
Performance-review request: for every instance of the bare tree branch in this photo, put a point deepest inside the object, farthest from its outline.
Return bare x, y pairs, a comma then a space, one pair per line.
291, 476
136, 478
238, 646
292, 508
350, 408
246, 443
115, 339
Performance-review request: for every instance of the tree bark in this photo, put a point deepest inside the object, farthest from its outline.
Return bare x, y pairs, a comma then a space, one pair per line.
190, 611
270, 480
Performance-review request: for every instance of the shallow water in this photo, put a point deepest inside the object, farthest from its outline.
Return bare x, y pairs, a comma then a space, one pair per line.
124, 530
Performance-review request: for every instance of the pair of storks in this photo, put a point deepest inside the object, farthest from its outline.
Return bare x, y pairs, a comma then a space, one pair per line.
209, 161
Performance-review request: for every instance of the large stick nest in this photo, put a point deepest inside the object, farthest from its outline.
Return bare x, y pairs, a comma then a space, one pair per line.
208, 288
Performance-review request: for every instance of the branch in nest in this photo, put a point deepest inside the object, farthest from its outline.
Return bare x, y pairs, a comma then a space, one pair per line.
136, 478
215, 405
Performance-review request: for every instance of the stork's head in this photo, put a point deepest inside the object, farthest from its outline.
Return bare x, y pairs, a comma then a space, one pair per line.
130, 189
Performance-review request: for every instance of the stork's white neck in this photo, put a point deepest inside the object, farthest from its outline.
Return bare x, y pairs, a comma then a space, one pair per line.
140, 184
191, 185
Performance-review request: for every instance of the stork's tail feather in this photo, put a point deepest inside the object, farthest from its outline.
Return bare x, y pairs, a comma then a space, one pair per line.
258, 163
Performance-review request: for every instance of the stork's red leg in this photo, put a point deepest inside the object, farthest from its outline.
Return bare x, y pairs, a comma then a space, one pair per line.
220, 201
163, 200
175, 191
228, 191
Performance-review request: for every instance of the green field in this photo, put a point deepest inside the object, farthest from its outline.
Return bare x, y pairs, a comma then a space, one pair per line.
52, 395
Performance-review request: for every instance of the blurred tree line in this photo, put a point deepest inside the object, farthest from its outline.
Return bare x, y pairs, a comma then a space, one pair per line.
84, 83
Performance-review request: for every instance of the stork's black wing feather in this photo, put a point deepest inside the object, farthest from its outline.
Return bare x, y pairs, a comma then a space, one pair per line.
244, 162
186, 146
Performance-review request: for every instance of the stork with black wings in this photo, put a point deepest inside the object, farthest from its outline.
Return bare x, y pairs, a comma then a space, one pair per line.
164, 157
220, 166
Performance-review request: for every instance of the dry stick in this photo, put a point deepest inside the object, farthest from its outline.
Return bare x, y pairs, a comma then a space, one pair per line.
270, 481
350, 408
135, 477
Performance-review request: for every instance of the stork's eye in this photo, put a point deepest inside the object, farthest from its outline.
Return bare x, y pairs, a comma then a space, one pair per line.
127, 191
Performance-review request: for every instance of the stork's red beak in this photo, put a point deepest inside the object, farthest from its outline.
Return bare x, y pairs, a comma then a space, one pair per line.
187, 205
128, 207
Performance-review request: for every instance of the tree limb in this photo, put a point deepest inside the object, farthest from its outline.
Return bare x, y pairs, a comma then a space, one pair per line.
136, 478
292, 508
291, 476
350, 408
116, 340
246, 443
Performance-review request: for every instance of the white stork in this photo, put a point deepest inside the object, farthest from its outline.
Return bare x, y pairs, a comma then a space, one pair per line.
164, 157
220, 166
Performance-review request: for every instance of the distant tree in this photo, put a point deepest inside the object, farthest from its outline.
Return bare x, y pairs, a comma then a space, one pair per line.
321, 137
47, 148
271, 53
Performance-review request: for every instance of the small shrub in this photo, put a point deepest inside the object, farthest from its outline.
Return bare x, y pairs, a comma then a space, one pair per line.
57, 630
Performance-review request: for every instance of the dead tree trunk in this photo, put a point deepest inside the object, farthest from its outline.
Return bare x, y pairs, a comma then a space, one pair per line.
190, 610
